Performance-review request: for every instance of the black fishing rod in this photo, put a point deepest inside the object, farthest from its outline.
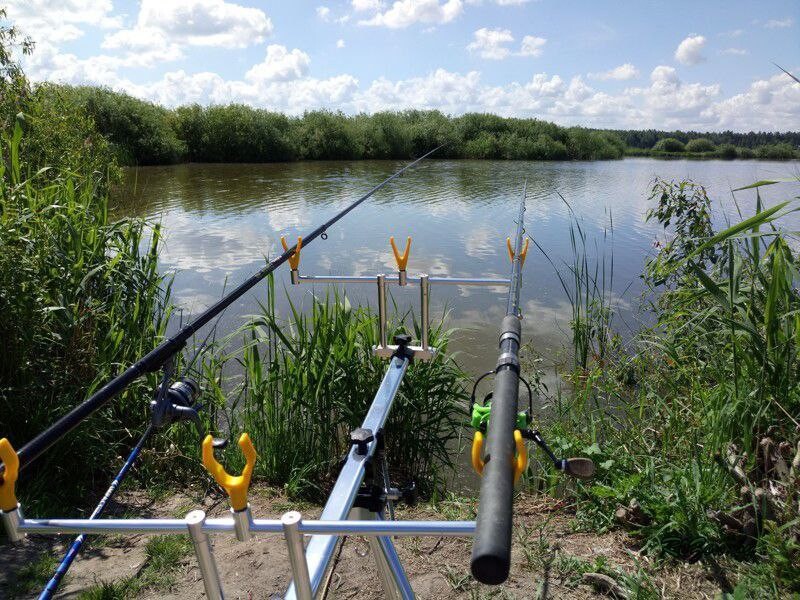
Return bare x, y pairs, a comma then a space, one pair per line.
157, 357
491, 551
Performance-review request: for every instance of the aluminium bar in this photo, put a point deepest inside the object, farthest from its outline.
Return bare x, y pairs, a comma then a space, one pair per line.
466, 281
319, 551
228, 526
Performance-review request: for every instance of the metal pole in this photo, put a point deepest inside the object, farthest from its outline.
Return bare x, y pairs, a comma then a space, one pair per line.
205, 556
12, 520
384, 340
77, 543
388, 585
396, 570
153, 360
424, 303
321, 547
297, 555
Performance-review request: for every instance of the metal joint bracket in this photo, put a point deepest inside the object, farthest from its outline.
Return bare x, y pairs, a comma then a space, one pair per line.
11, 521
415, 352
508, 359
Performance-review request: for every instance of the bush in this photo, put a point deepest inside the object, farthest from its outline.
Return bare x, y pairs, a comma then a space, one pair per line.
727, 151
700, 145
669, 145
777, 152
141, 132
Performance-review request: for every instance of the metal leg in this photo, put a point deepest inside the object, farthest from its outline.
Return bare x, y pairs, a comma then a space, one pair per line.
398, 574
297, 554
390, 590
384, 339
11, 521
424, 300
205, 557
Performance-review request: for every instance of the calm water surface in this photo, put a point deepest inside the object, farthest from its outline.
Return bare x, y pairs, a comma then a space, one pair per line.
221, 221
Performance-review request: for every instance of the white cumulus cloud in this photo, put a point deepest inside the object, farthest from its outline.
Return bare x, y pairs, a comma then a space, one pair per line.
532, 46
620, 73
779, 23
690, 50
323, 12
363, 5
493, 44
340, 43
280, 65
404, 13
735, 51
60, 21
197, 23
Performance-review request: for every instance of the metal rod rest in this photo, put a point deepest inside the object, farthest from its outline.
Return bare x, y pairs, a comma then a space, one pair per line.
467, 281
227, 525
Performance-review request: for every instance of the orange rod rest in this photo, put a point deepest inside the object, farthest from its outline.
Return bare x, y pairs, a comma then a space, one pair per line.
236, 486
522, 254
402, 260
294, 259
8, 480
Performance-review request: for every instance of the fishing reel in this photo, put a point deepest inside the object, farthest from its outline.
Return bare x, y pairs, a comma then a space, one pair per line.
578, 467
178, 403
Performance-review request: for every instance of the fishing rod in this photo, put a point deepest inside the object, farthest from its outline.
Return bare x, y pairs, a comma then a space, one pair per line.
74, 548
491, 552
505, 456
158, 357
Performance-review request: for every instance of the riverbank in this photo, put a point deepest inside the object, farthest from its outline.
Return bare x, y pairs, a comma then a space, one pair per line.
551, 557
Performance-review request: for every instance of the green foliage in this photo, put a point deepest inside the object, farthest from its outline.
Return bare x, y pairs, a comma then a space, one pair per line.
141, 133
700, 145
669, 145
777, 151
307, 383
727, 151
719, 367
79, 296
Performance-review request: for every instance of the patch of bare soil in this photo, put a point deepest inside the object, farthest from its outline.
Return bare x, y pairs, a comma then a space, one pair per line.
550, 558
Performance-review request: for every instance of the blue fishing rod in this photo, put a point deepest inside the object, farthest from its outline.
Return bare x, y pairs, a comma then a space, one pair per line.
77, 543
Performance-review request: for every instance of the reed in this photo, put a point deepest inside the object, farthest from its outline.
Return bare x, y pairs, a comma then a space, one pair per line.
719, 367
80, 297
307, 381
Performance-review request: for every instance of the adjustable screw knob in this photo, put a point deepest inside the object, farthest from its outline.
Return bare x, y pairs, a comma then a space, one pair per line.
410, 495
402, 340
361, 438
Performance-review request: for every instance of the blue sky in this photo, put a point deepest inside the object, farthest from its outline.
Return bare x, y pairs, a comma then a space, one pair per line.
689, 65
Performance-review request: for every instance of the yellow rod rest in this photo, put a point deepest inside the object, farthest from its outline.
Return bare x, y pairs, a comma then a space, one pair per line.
519, 462
294, 259
402, 260
522, 254
236, 486
8, 481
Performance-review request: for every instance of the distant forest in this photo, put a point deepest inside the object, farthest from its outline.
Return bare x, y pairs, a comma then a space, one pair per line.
647, 138
144, 133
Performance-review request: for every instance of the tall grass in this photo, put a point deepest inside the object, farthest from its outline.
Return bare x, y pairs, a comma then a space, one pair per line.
80, 298
308, 381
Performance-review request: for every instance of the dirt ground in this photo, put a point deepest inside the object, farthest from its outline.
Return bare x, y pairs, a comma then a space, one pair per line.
549, 558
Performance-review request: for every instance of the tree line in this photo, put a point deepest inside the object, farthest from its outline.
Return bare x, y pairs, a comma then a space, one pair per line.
145, 133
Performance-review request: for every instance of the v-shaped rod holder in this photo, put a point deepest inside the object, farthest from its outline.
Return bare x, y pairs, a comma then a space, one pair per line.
235, 485
523, 253
8, 480
401, 259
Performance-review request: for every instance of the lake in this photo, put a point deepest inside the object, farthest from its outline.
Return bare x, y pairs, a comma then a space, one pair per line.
220, 221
